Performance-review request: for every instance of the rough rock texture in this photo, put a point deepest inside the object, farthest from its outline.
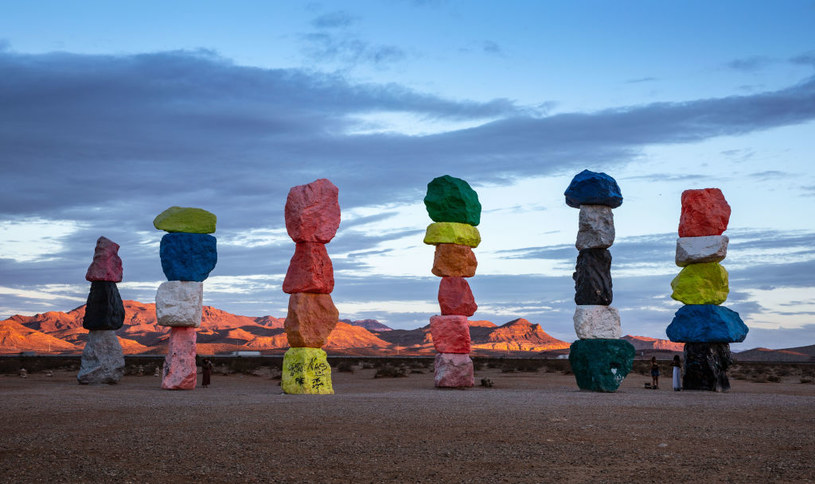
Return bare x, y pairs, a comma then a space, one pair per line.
706, 366
597, 322
704, 212
596, 227
452, 233
310, 270
306, 371
179, 303
698, 250
106, 265
186, 219
600, 365
188, 257
102, 359
453, 370
705, 283
104, 309
451, 199
451, 334
706, 323
454, 260
592, 277
456, 297
310, 319
590, 188
180, 372
313, 212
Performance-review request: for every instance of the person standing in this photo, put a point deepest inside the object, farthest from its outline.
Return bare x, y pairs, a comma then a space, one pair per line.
677, 373
654, 373
206, 370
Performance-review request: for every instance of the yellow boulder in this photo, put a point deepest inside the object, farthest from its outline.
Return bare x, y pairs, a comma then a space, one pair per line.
452, 233
306, 371
705, 283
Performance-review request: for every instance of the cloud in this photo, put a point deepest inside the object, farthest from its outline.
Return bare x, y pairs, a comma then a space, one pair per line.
491, 47
350, 50
750, 64
333, 20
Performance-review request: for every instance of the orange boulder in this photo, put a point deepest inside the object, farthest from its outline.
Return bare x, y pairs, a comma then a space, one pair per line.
310, 320
453, 260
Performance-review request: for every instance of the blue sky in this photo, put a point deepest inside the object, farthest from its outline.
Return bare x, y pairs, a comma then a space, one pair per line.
111, 112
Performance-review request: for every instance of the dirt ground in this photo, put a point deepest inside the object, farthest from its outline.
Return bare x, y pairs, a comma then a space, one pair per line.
529, 427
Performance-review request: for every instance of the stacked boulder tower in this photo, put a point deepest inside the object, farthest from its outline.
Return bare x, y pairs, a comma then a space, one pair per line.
102, 359
706, 328
188, 254
455, 210
312, 218
600, 360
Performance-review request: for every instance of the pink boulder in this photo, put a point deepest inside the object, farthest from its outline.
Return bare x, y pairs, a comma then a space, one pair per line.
313, 212
453, 371
455, 297
310, 270
451, 334
454, 260
310, 320
704, 212
106, 265
179, 364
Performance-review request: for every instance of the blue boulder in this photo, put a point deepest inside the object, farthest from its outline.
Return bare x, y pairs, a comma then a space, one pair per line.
188, 257
706, 323
590, 188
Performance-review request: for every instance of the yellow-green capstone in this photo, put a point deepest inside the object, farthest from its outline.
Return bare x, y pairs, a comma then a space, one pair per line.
186, 219
701, 284
452, 233
306, 371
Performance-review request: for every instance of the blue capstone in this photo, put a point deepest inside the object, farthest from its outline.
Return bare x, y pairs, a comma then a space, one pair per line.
590, 188
188, 257
706, 323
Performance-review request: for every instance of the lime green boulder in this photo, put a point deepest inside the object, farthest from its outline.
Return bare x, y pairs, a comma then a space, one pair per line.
701, 284
185, 219
452, 233
306, 371
451, 199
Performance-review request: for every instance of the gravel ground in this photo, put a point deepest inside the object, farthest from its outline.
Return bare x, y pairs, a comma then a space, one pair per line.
530, 427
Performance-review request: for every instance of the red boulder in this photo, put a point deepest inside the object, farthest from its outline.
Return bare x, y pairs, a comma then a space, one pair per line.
310, 270
704, 212
451, 334
455, 297
106, 265
313, 212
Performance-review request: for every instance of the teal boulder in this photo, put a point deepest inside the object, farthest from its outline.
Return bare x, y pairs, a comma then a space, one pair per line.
451, 199
600, 365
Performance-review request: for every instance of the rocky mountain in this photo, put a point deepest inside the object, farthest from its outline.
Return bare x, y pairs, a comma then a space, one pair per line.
644, 343
369, 324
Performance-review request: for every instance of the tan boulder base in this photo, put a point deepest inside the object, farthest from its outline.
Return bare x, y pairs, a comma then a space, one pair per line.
454, 260
310, 319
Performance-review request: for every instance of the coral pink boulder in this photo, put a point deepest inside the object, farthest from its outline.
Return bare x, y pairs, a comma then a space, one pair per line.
451, 334
106, 265
310, 270
313, 212
453, 371
704, 212
455, 297
180, 372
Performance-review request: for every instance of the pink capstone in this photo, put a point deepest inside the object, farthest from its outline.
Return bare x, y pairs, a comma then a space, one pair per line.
106, 265
453, 371
451, 334
179, 365
313, 212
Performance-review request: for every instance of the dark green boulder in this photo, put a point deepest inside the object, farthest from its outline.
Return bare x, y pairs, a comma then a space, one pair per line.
451, 199
600, 365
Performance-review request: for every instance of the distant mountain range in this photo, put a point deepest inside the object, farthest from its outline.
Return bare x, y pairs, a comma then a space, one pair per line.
222, 332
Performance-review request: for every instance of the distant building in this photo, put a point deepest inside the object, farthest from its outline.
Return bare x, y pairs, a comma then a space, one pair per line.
245, 353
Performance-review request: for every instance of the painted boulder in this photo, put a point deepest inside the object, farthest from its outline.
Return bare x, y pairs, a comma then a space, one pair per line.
453, 370
306, 371
310, 270
451, 334
706, 323
188, 257
102, 359
179, 303
454, 260
701, 284
600, 365
592, 278
590, 188
313, 212
451, 199
310, 319
456, 297
452, 233
595, 228
180, 371
186, 219
699, 250
104, 309
106, 265
597, 322
706, 367
704, 212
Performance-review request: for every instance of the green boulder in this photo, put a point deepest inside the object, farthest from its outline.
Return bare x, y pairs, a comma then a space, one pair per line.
306, 371
186, 219
600, 365
451, 199
701, 284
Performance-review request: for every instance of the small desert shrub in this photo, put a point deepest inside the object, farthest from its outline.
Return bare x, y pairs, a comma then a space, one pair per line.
774, 378
783, 371
390, 371
806, 379
417, 371
368, 365
345, 367
759, 378
478, 365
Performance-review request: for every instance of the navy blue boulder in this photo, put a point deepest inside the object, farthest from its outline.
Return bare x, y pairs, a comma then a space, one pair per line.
590, 188
188, 257
706, 323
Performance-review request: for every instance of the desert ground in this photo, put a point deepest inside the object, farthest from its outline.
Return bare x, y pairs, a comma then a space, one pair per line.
528, 427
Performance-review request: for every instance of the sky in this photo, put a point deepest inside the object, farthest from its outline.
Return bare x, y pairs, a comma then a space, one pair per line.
110, 112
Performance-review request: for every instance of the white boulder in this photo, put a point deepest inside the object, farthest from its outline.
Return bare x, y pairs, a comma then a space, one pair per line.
696, 250
178, 303
102, 359
597, 322
596, 227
